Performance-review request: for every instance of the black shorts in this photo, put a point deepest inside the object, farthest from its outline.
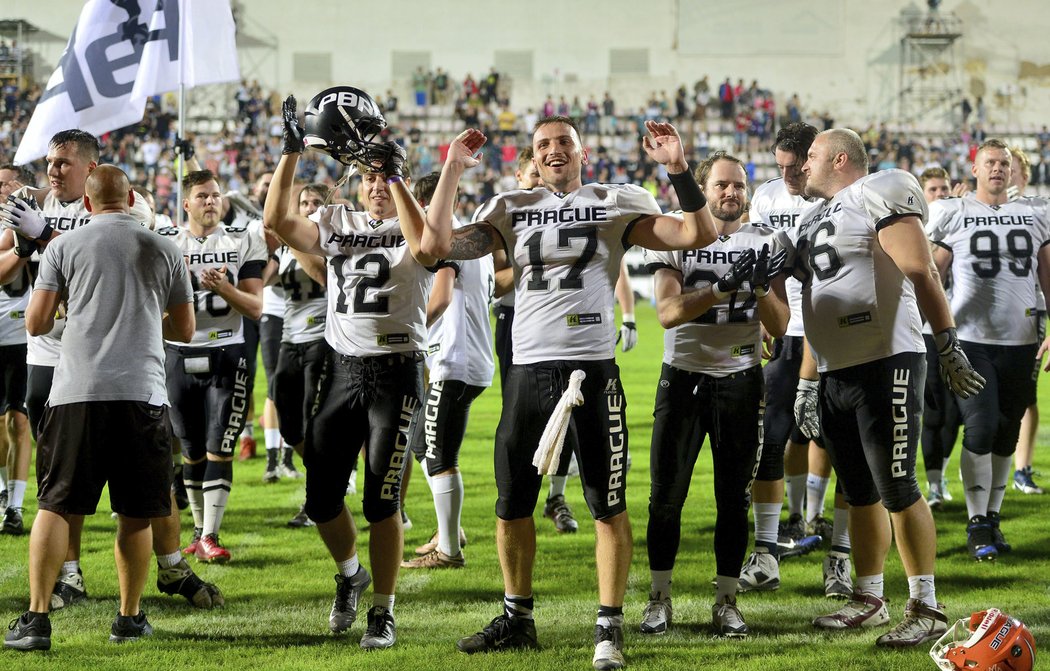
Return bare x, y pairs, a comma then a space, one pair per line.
442, 423
781, 379
251, 346
85, 445
691, 407
530, 394
294, 385
504, 342
371, 401
992, 418
870, 417
271, 328
208, 408
13, 378
38, 389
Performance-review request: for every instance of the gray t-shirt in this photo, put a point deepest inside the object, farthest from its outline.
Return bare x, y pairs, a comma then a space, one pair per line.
120, 277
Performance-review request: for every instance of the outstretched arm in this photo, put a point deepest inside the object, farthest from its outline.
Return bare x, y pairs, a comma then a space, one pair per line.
438, 236
279, 218
695, 229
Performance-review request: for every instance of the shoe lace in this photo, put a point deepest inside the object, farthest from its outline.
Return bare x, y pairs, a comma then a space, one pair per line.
654, 609
497, 630
377, 620
342, 593
838, 570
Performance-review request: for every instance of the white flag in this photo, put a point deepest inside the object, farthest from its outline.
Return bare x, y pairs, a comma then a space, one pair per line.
124, 51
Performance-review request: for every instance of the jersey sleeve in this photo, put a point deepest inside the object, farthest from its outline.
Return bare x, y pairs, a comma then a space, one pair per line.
635, 199
656, 260
180, 291
759, 206
494, 213
893, 194
255, 257
327, 219
140, 210
941, 212
49, 274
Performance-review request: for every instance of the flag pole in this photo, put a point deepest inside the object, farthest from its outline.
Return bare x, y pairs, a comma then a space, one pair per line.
180, 133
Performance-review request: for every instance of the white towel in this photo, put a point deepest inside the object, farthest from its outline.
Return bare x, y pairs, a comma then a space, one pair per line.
548, 453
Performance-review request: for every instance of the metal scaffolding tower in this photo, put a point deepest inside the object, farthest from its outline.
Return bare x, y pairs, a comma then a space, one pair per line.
930, 79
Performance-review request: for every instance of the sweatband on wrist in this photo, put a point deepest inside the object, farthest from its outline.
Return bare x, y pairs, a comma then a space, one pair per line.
393, 179
690, 197
718, 293
628, 317
761, 292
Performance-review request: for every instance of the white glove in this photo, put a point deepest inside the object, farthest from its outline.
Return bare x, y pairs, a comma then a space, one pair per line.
23, 217
628, 333
806, 414
956, 369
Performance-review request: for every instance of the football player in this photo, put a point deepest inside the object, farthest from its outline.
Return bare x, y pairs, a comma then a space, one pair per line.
565, 243
867, 342
996, 251
940, 412
371, 384
208, 377
1020, 175
710, 301
460, 364
303, 350
789, 460
72, 155
15, 449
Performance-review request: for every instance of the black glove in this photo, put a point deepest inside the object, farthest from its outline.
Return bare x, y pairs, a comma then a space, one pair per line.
293, 133
24, 247
956, 370
184, 148
394, 162
737, 274
766, 269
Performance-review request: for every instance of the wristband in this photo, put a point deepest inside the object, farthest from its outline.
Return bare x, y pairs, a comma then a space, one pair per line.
760, 292
627, 317
393, 179
690, 197
718, 293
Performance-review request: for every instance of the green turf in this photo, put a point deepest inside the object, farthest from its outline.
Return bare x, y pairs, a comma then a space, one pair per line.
279, 586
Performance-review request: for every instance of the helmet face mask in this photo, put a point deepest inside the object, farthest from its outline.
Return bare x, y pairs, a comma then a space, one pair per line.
986, 641
346, 123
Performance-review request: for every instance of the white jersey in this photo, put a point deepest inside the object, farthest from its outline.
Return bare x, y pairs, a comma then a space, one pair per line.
14, 299
377, 292
44, 350
273, 294
460, 341
994, 258
566, 251
856, 304
726, 339
243, 255
305, 304
773, 206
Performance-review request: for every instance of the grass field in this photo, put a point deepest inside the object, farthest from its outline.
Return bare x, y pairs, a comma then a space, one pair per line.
279, 585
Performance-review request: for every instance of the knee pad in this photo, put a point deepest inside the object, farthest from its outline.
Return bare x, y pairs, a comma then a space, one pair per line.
377, 509
899, 496
771, 463
665, 513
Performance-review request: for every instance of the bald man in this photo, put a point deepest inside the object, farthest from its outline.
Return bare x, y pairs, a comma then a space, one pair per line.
106, 419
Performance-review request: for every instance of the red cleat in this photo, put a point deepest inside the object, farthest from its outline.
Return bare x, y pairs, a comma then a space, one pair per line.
247, 448
210, 550
191, 549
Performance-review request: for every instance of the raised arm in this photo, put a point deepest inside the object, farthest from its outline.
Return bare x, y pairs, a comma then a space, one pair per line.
438, 239
410, 214
279, 218
695, 229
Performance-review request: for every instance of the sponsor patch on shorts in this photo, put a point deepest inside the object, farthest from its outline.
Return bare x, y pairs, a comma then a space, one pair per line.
742, 350
587, 319
854, 319
219, 335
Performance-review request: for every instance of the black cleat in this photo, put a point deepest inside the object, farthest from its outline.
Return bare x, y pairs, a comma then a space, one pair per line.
30, 631
127, 628
503, 633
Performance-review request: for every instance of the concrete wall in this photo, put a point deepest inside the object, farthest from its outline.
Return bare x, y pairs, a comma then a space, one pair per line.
839, 55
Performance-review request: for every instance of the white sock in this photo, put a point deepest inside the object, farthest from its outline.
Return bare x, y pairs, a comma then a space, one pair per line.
871, 584
921, 587
249, 429
816, 490
1002, 472
3, 478
16, 493
557, 485
796, 492
661, 584
934, 478
840, 530
273, 438
977, 481
349, 568
214, 506
767, 515
384, 601
167, 561
725, 586
196, 497
70, 566
448, 504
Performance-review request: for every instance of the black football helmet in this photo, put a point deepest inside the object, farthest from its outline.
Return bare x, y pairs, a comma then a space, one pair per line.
346, 124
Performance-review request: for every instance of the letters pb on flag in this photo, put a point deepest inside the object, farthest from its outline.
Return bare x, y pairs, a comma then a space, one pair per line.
120, 54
